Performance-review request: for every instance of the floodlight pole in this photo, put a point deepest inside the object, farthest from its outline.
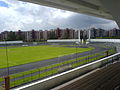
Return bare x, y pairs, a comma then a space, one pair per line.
7, 78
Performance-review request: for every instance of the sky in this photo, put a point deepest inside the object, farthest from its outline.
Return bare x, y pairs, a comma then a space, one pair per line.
16, 15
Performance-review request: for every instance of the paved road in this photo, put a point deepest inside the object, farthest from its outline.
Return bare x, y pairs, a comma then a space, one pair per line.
29, 66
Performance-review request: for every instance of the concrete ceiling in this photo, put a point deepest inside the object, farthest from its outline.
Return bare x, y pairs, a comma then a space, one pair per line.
90, 7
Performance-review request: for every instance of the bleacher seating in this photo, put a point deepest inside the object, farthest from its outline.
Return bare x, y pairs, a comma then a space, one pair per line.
107, 78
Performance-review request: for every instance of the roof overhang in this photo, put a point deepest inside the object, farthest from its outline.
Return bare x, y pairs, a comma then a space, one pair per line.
89, 7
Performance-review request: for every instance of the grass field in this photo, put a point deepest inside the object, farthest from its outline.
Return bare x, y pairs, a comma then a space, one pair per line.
23, 55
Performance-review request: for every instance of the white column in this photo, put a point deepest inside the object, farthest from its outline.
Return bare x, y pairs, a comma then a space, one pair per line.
113, 6
79, 36
89, 35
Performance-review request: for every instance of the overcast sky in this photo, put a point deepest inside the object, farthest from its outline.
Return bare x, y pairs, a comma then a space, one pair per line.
17, 15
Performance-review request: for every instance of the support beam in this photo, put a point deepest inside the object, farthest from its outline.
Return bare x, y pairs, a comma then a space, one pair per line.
114, 8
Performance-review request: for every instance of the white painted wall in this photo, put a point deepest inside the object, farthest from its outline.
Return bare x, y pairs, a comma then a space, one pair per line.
91, 40
11, 42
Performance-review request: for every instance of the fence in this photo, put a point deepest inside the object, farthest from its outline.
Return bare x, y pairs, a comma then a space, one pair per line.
44, 72
68, 75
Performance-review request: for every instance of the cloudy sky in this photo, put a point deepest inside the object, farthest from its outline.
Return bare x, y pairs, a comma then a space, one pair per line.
16, 15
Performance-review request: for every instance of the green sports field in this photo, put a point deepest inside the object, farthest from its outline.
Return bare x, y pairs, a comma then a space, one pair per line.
23, 55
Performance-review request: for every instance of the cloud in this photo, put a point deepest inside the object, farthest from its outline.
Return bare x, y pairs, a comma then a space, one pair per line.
85, 21
15, 15
3, 4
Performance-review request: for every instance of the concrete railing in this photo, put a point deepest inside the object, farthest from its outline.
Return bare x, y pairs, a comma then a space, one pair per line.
58, 79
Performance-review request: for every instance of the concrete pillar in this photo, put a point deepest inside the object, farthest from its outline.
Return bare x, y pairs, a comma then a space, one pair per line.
113, 6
